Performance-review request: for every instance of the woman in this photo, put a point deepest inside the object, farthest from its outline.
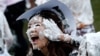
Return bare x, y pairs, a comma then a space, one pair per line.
41, 39
5, 32
47, 38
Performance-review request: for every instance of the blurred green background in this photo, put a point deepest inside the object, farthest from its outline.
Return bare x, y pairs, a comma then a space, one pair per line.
96, 11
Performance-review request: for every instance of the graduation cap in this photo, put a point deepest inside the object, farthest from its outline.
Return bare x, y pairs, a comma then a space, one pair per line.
59, 8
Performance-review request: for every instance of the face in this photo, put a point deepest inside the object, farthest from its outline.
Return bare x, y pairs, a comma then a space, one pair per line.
34, 32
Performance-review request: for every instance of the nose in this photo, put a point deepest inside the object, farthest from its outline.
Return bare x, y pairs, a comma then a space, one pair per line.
33, 31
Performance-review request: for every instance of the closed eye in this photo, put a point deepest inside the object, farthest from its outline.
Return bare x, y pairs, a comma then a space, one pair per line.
37, 24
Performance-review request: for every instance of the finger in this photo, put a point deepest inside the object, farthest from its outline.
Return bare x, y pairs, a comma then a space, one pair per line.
46, 23
52, 22
55, 26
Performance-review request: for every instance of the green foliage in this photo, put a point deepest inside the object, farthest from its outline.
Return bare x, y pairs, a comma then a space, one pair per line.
96, 11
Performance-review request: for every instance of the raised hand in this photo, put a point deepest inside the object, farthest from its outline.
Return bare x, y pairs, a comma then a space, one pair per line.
52, 31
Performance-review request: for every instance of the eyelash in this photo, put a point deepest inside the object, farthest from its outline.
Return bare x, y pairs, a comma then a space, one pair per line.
37, 24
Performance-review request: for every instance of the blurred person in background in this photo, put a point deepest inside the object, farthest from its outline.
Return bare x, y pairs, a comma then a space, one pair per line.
30, 4
83, 14
14, 9
5, 32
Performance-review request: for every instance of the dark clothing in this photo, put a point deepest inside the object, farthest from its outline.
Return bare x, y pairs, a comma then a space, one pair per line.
14, 11
11, 13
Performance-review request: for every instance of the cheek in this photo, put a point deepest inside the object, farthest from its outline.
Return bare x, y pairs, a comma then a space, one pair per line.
42, 43
40, 29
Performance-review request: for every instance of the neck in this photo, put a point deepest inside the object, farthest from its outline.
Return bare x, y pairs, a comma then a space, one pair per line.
45, 51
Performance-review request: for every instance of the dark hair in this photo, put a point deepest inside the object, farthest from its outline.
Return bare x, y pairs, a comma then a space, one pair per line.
56, 49
59, 48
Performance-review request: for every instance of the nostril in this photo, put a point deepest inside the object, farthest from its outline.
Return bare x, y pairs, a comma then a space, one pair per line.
33, 31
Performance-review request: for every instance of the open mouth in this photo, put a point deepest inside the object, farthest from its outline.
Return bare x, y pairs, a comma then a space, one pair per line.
34, 38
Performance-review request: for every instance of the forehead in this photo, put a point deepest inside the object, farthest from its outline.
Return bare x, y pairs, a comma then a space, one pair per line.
35, 19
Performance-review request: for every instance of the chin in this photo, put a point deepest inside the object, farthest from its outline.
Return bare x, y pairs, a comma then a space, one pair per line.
35, 47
